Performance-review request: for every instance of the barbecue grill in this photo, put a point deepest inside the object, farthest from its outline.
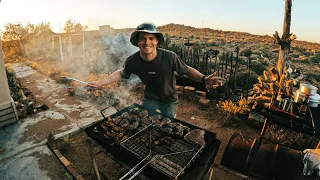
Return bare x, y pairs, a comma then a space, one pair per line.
157, 154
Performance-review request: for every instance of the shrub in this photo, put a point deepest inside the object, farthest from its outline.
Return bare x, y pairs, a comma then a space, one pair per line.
242, 80
311, 76
315, 59
258, 67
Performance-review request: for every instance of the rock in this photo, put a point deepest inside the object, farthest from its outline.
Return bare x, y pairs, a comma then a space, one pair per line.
201, 93
189, 91
180, 88
205, 103
256, 116
42, 107
179, 93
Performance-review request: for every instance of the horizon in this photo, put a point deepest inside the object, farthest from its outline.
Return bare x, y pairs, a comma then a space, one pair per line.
249, 16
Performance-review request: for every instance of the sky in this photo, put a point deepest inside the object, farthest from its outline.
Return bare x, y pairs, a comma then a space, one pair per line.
260, 17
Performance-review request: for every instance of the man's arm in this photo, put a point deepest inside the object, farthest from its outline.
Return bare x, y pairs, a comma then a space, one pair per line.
195, 75
114, 77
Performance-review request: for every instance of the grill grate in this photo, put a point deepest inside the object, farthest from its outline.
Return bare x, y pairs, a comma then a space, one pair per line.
170, 158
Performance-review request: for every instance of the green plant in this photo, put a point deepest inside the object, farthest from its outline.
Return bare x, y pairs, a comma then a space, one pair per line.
242, 61
312, 76
246, 52
242, 80
64, 146
293, 139
258, 67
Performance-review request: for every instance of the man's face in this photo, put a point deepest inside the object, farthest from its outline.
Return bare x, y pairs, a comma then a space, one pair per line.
147, 43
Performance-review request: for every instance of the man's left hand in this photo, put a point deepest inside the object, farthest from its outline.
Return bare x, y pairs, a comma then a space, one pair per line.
213, 81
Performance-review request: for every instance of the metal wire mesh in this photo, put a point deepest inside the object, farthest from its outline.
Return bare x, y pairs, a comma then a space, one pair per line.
178, 155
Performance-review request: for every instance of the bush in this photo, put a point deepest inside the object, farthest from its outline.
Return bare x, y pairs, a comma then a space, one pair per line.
311, 76
243, 79
258, 67
315, 59
305, 61
12, 51
242, 61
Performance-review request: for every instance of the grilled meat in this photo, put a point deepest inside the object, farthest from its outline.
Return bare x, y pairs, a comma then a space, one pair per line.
167, 130
136, 111
110, 133
181, 130
134, 125
124, 138
156, 117
170, 163
118, 137
124, 123
160, 163
109, 123
117, 120
118, 129
167, 140
146, 120
178, 130
144, 113
197, 136
165, 121
125, 115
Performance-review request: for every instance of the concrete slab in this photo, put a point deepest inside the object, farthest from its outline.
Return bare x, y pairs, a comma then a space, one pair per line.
23, 150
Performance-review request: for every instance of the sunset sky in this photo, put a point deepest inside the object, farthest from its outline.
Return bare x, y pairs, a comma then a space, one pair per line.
253, 16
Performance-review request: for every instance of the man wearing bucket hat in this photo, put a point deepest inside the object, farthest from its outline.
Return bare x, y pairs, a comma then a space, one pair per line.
155, 67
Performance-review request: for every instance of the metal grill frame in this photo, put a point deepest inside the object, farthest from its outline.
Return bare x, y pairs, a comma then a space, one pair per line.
180, 156
118, 153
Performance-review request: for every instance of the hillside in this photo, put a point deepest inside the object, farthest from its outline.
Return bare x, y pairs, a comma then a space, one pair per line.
229, 39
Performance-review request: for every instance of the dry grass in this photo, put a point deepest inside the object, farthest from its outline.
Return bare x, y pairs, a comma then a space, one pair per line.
240, 107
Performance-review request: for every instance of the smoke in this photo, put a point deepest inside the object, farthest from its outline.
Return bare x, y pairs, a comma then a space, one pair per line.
115, 49
89, 52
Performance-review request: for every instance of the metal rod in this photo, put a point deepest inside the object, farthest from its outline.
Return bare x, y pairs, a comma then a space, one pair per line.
231, 71
79, 81
95, 166
136, 166
312, 121
235, 70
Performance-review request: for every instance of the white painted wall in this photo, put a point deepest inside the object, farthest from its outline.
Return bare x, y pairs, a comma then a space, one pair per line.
5, 97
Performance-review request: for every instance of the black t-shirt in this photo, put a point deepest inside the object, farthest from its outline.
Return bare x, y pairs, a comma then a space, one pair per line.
157, 75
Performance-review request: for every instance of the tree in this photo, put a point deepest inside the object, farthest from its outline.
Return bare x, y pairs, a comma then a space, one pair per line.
42, 27
71, 26
16, 31
285, 41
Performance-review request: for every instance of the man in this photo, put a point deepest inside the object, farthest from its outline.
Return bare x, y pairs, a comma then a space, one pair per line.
155, 67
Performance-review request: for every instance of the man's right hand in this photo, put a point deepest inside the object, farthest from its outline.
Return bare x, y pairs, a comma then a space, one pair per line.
96, 84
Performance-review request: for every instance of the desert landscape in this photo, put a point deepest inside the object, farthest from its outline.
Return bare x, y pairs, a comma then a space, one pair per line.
66, 127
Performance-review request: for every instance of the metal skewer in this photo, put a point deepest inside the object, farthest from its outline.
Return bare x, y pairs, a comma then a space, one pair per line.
79, 81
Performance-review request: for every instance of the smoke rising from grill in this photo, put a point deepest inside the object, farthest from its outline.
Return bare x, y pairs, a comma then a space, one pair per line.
87, 53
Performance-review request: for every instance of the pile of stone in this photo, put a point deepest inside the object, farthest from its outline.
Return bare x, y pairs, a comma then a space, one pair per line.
23, 98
